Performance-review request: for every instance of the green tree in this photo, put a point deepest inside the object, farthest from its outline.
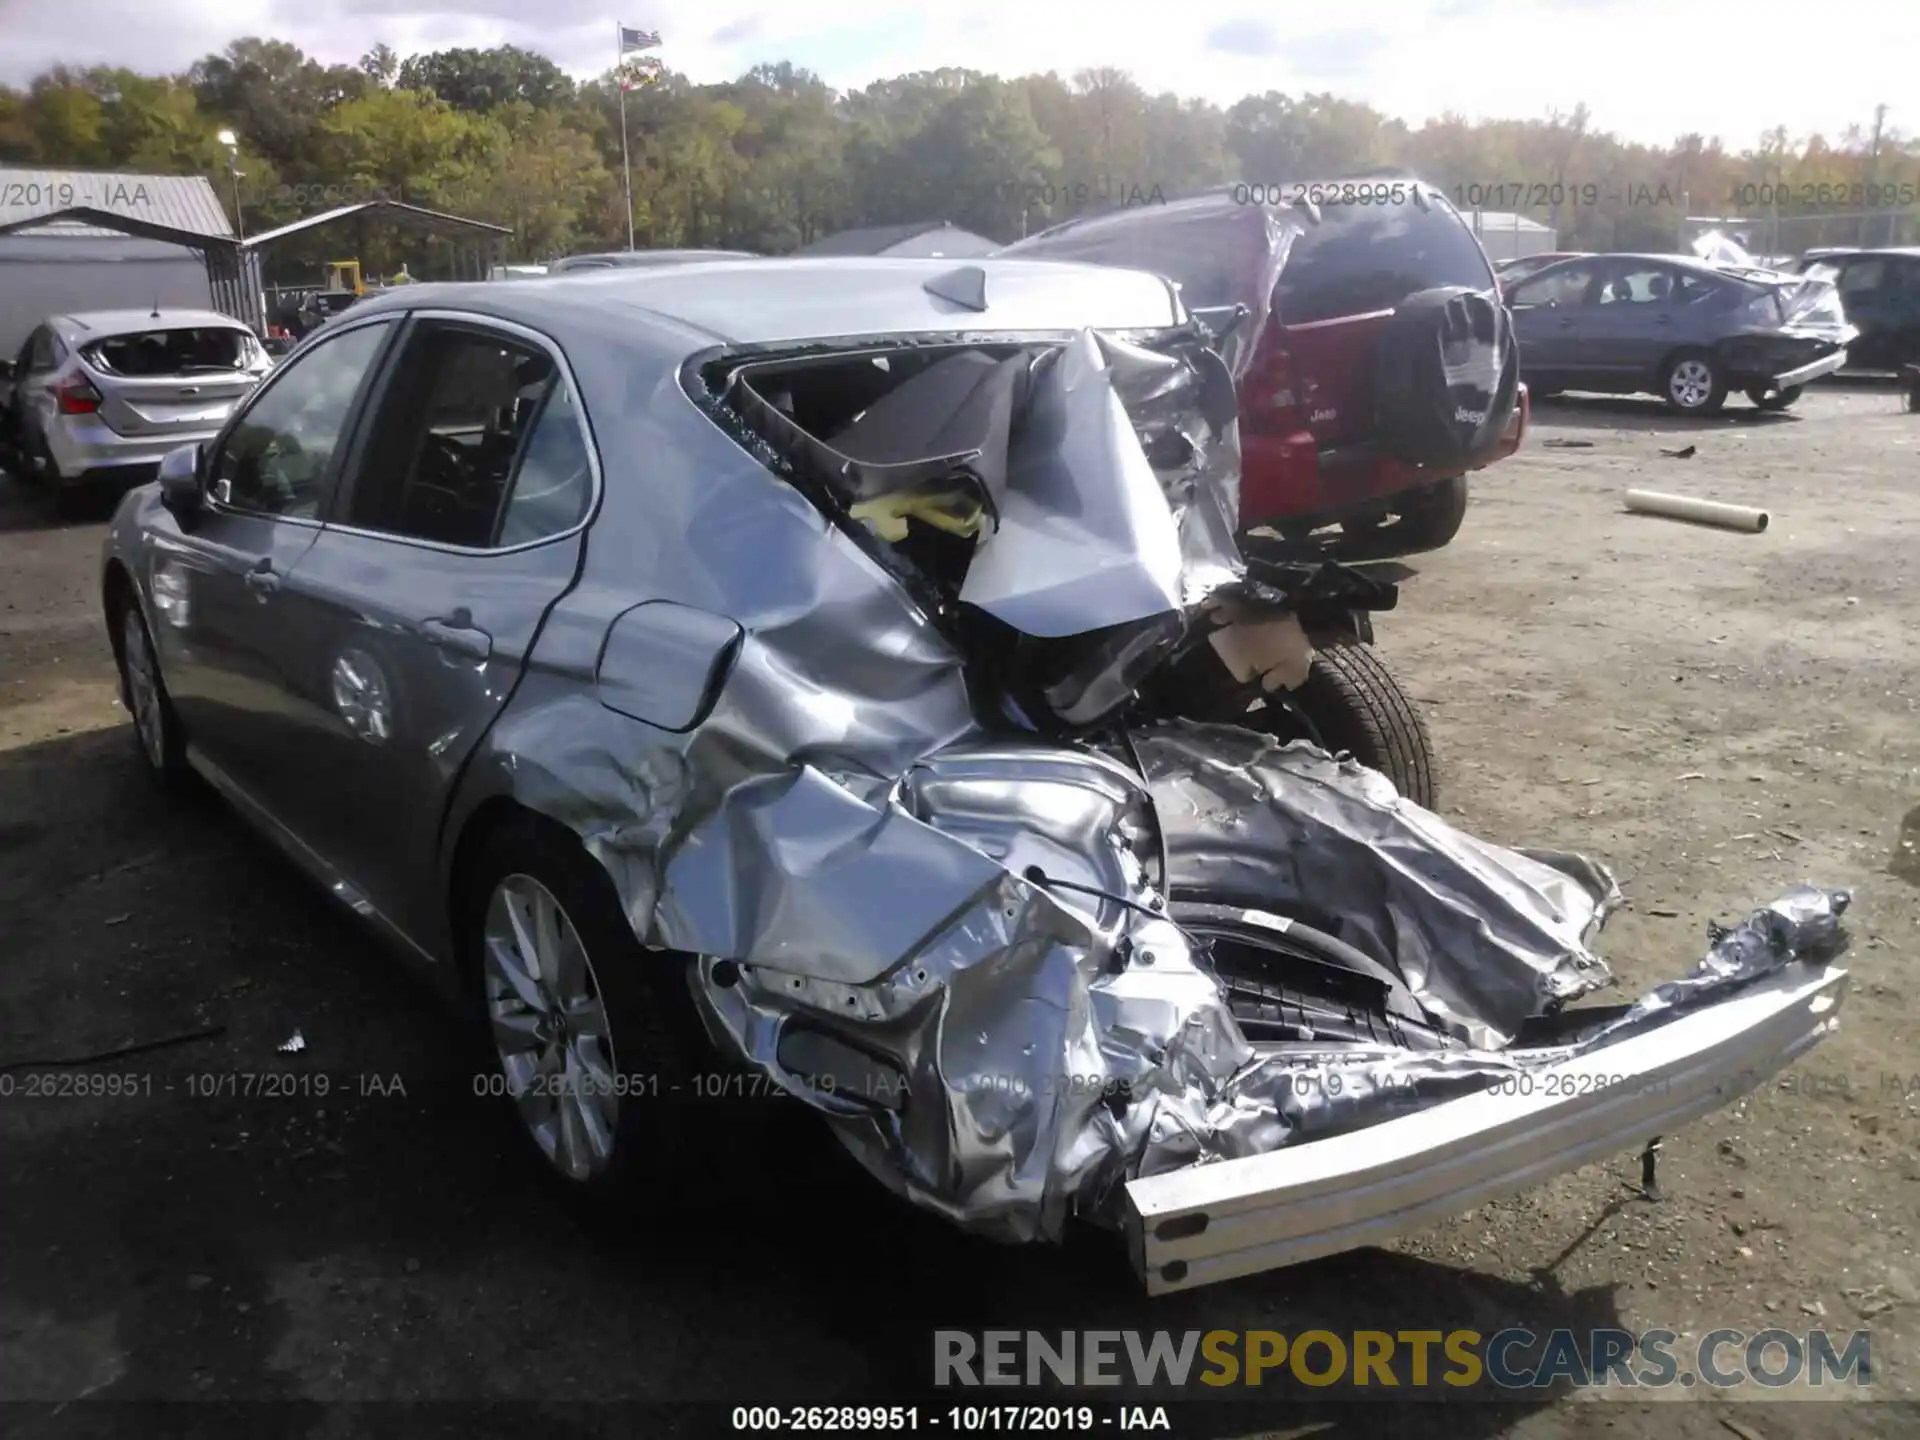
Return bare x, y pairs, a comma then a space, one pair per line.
482, 80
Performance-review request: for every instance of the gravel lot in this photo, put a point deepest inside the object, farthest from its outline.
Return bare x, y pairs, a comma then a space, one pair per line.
1717, 714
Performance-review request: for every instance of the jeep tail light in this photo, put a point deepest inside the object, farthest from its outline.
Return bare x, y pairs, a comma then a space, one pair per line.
1270, 401
77, 396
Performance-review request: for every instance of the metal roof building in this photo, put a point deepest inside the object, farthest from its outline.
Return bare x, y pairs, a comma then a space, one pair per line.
177, 202
1505, 235
93, 240
921, 239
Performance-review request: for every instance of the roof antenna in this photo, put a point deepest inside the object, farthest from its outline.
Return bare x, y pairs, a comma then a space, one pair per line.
156, 309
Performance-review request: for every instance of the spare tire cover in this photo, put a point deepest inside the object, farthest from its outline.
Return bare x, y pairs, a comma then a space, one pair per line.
1446, 377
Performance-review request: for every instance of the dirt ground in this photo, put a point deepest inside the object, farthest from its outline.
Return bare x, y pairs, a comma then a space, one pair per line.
1718, 715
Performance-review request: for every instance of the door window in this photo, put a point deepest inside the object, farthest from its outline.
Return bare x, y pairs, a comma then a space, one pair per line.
1563, 287
40, 351
279, 457
478, 444
1365, 257
1638, 285
1861, 277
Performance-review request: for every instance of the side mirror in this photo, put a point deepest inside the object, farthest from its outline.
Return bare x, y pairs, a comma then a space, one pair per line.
180, 482
6, 369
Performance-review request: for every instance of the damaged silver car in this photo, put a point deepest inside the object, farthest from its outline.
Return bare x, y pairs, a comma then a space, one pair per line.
797, 662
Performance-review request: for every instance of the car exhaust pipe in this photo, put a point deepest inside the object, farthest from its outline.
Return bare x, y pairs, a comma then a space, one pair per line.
1701, 512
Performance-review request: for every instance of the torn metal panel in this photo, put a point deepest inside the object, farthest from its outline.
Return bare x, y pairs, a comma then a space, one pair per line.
1220, 250
1086, 539
1484, 936
1043, 1056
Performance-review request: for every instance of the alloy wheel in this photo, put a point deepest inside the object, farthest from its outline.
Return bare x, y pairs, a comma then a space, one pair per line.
550, 1029
1691, 384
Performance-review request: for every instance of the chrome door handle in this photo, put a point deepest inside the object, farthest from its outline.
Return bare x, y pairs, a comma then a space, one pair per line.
457, 634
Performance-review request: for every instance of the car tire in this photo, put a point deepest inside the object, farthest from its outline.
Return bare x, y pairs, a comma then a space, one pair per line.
1353, 702
1693, 382
1430, 521
611, 1123
156, 728
1775, 400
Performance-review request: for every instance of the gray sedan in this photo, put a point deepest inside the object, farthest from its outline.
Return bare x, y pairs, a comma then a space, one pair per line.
735, 678
1682, 329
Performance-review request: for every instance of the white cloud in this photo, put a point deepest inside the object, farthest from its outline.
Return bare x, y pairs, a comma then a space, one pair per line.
1644, 69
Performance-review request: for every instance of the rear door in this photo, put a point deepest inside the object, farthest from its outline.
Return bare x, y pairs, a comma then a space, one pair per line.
1343, 279
415, 610
1628, 329
1904, 279
176, 380
1867, 296
220, 637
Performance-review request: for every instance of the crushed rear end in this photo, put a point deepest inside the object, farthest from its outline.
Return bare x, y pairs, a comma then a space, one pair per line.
1790, 329
1040, 953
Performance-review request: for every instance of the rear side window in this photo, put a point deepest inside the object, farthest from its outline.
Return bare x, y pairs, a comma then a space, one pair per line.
478, 443
195, 351
40, 350
1363, 258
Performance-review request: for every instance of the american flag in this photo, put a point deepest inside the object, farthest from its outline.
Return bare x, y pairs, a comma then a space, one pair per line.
631, 40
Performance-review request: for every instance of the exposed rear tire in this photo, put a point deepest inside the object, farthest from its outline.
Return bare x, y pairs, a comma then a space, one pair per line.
595, 1040
1356, 704
1693, 382
1774, 400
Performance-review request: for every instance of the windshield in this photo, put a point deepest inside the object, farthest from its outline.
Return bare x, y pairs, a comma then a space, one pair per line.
195, 351
1366, 257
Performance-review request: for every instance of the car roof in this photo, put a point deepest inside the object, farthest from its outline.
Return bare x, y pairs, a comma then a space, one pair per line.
612, 258
85, 325
1847, 252
770, 301
1691, 263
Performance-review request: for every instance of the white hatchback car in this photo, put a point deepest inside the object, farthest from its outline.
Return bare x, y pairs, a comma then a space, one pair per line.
103, 396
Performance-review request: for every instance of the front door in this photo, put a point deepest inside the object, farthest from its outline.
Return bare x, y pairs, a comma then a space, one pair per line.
459, 526
217, 584
1547, 312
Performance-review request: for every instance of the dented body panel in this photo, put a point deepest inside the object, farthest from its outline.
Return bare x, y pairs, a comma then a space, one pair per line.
956, 912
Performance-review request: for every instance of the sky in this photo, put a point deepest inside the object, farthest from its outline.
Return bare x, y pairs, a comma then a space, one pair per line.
1648, 70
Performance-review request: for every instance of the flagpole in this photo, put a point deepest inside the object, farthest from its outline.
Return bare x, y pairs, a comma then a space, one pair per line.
626, 163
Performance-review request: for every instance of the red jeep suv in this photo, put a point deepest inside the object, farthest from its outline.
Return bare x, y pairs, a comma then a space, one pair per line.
1375, 362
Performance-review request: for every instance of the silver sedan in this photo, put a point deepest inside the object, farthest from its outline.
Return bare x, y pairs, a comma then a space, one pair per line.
766, 664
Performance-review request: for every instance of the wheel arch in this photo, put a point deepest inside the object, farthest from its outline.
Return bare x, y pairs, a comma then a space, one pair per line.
116, 589
487, 819
1673, 357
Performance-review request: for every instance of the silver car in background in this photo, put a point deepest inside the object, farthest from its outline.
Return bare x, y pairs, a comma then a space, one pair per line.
102, 396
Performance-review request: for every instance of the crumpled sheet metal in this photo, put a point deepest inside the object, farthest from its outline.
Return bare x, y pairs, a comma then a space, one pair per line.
859, 862
1483, 935
1222, 250
1039, 1076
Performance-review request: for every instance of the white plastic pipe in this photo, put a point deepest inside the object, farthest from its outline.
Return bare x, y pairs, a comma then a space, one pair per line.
1704, 512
